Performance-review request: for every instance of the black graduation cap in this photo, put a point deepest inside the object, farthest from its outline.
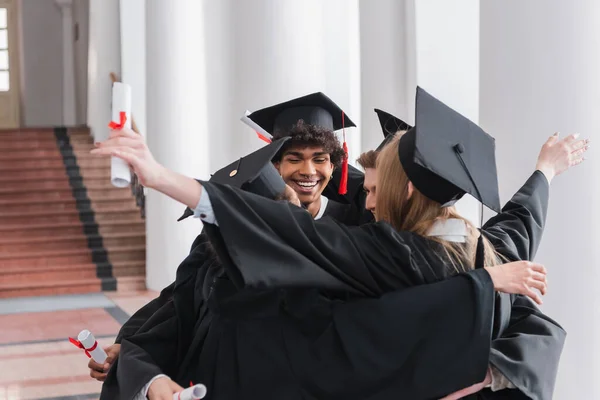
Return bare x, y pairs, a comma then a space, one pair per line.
446, 155
315, 109
253, 173
389, 125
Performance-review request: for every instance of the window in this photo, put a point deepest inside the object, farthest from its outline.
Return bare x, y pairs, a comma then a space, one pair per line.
4, 64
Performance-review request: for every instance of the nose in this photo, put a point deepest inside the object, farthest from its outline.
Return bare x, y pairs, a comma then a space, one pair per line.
370, 202
308, 169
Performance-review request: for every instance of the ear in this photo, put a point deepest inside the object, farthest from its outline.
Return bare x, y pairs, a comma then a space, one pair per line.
277, 164
410, 189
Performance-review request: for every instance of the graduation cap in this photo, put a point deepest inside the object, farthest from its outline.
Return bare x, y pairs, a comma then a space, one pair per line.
389, 125
445, 155
253, 173
315, 109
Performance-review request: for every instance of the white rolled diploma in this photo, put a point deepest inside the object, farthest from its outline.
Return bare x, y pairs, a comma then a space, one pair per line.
257, 128
120, 175
192, 393
87, 339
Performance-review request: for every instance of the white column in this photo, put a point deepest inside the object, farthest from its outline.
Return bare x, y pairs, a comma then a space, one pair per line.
104, 58
384, 61
443, 58
133, 56
68, 77
539, 74
177, 129
277, 59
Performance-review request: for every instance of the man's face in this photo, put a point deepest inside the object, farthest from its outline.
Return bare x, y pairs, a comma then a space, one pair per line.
307, 171
370, 187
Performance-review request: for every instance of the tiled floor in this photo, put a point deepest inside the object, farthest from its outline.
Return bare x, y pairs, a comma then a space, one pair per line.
36, 359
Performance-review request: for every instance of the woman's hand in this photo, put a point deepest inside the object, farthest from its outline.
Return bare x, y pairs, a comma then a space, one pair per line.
163, 388
471, 389
557, 155
131, 147
520, 277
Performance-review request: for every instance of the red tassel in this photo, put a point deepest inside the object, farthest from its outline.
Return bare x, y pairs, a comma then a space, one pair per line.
344, 180
263, 137
123, 118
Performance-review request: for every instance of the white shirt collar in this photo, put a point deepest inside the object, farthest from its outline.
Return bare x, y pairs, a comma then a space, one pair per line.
324, 201
452, 230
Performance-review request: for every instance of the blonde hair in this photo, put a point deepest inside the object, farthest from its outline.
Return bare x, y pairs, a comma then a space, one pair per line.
417, 213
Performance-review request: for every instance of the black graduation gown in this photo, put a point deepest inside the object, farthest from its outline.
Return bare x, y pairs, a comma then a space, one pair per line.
297, 344
375, 259
354, 198
141, 316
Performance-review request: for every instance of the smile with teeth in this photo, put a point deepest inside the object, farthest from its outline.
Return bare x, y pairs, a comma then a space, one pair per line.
306, 185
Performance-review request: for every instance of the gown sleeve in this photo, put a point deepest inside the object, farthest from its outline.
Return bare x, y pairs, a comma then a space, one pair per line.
367, 260
516, 232
528, 351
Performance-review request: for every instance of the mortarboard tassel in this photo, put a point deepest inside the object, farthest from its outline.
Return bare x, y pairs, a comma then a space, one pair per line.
263, 137
344, 180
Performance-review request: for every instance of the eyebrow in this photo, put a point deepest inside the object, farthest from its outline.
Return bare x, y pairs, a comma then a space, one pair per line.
300, 155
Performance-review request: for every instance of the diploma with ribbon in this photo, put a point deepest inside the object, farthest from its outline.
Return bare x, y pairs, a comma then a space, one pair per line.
120, 175
87, 342
260, 132
195, 392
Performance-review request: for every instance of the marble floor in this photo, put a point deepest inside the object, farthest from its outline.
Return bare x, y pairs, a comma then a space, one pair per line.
36, 359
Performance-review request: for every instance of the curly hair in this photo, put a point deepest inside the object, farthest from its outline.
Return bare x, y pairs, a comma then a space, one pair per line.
307, 135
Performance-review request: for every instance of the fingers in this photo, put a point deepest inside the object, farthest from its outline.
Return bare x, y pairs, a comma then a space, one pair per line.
125, 132
93, 365
121, 141
125, 153
552, 139
533, 295
571, 138
580, 144
175, 387
536, 267
539, 285
99, 376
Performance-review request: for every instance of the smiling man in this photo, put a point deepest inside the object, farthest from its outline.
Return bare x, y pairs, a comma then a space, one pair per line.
308, 160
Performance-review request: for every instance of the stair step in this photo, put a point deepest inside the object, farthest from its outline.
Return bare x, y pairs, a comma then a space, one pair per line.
46, 258
40, 229
33, 175
129, 268
109, 227
128, 284
114, 194
40, 205
31, 164
31, 154
35, 185
22, 145
48, 288
17, 275
48, 194
26, 134
37, 216
20, 244
126, 253
123, 239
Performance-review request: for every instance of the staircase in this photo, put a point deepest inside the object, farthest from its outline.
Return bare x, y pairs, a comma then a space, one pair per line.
63, 227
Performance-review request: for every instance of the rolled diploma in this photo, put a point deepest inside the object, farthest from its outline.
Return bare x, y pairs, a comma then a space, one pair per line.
120, 175
192, 393
88, 340
257, 128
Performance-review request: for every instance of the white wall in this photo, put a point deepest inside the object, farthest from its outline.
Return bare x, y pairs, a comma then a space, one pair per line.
41, 67
539, 74
133, 56
384, 61
443, 58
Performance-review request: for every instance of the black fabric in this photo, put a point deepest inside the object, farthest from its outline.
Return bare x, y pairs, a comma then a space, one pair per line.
374, 259
355, 196
390, 125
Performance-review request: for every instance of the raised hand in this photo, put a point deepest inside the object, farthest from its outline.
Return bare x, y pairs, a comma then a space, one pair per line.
558, 155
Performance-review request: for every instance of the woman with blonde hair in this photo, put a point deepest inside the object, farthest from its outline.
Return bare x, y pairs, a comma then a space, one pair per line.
268, 245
